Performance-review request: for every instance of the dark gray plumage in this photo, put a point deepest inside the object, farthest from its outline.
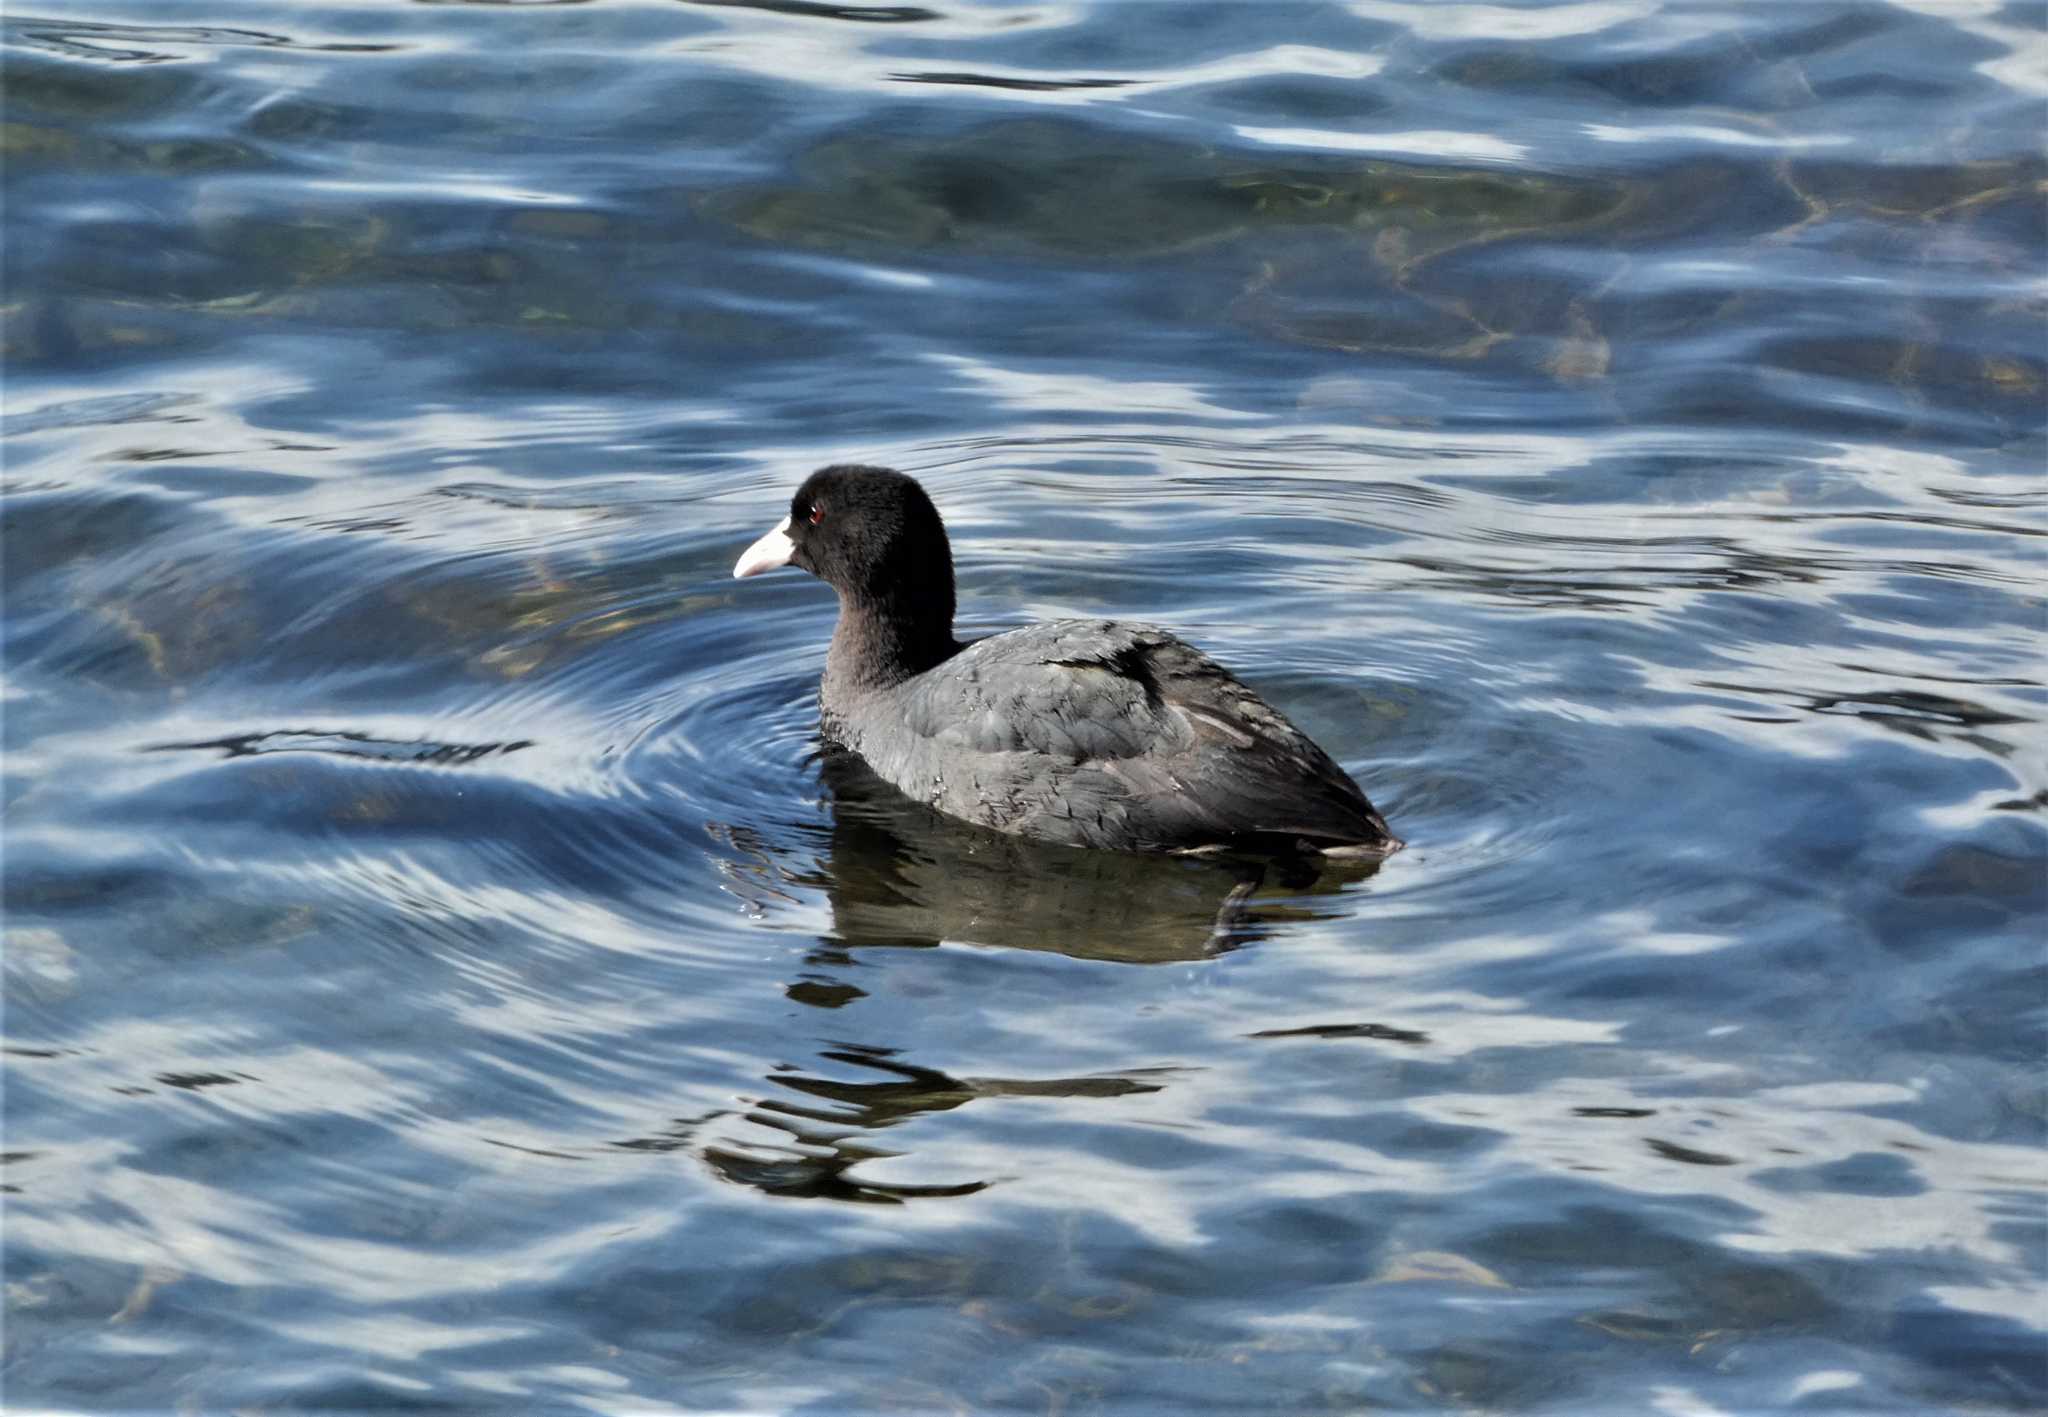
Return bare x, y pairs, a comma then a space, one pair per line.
1082, 732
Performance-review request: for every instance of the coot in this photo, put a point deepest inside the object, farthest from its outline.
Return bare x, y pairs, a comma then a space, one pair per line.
1083, 732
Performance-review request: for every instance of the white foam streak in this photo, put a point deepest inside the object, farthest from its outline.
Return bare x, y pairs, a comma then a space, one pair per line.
1435, 143
1710, 135
1503, 23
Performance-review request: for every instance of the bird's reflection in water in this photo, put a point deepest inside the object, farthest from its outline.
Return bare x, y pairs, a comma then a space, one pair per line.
825, 1127
898, 874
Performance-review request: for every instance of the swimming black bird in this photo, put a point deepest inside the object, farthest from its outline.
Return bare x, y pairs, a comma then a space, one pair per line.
1082, 732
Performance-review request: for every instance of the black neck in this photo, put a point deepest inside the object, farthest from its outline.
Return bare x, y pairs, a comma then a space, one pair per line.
880, 643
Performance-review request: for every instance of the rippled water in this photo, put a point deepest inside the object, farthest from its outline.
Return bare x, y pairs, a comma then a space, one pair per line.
440, 972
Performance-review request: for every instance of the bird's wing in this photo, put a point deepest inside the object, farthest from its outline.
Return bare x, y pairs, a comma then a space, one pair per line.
1074, 690
1135, 736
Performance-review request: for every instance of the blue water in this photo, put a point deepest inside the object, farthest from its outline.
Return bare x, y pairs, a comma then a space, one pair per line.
439, 973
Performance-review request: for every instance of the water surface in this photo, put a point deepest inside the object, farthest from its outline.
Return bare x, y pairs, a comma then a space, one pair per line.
441, 972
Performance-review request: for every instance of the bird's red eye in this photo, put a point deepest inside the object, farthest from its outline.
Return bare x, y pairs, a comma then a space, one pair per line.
815, 515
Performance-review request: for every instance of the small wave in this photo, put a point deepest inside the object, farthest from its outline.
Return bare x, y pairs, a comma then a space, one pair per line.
351, 745
815, 10
155, 44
